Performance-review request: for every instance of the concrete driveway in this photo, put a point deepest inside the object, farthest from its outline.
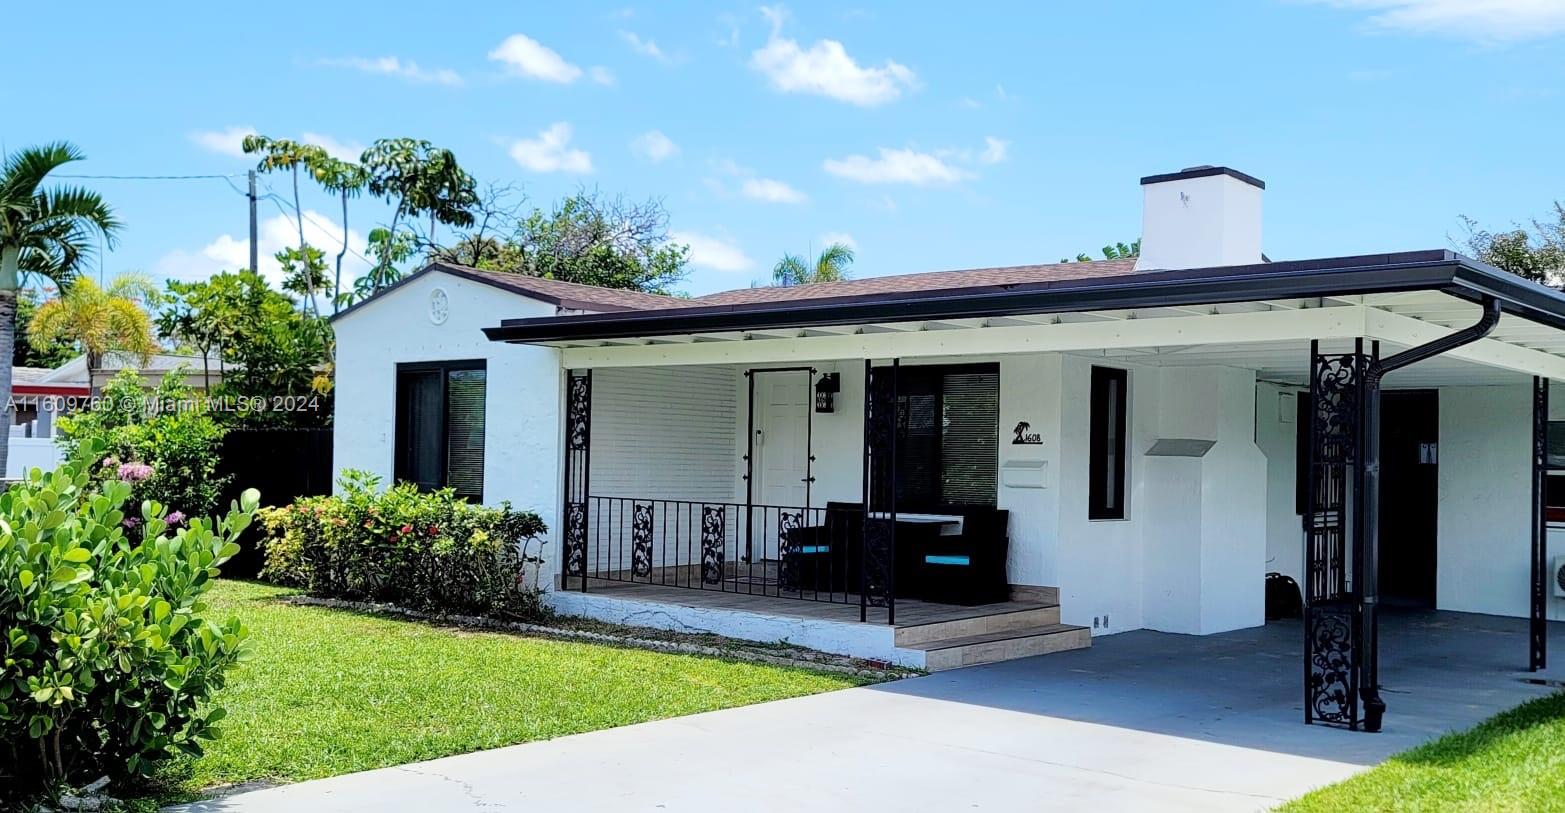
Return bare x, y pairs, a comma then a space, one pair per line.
1141, 721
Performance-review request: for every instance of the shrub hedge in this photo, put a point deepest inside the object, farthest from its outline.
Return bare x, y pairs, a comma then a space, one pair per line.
426, 551
165, 443
107, 657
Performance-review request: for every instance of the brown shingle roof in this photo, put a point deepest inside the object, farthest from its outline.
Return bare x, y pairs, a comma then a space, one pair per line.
931, 281
567, 294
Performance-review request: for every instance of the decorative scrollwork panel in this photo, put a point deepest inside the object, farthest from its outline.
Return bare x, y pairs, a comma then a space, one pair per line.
576, 539
1331, 695
714, 542
641, 539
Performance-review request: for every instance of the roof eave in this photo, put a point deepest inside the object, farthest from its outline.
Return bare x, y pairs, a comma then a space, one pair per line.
1436, 270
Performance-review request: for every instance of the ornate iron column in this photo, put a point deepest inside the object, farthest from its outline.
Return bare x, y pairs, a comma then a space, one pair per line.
1538, 624
1331, 615
578, 439
877, 566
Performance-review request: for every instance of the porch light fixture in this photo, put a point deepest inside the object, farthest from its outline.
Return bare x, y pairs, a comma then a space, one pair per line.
826, 390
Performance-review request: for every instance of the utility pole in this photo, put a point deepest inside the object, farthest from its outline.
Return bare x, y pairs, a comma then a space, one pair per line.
254, 247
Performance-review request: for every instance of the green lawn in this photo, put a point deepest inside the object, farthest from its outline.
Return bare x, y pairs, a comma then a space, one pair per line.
329, 692
1512, 762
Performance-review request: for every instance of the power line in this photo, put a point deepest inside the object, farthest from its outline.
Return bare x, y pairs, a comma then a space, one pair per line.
150, 177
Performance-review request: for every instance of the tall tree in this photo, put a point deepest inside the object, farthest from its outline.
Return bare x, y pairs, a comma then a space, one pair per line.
99, 320
830, 266
418, 179
26, 354
1538, 255
282, 154
43, 232
347, 180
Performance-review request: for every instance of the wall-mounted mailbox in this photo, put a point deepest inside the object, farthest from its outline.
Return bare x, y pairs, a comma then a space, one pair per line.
1024, 474
1180, 447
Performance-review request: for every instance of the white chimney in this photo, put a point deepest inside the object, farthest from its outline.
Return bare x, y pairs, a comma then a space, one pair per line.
1200, 217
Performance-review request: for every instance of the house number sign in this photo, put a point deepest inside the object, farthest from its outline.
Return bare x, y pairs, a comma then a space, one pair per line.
1023, 435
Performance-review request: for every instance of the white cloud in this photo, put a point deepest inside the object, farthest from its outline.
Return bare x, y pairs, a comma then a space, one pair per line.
826, 69
229, 253
995, 150
392, 66
1485, 21
896, 166
654, 146
770, 190
528, 57
341, 150
645, 47
839, 237
227, 141
713, 252
551, 151
601, 75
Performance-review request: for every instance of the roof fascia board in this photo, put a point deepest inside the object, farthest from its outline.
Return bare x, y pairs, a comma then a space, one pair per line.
1340, 322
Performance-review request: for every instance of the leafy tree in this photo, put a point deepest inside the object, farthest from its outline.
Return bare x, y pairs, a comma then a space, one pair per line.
43, 232
1538, 255
830, 266
347, 180
304, 272
281, 154
98, 320
269, 350
586, 239
26, 354
419, 180
1115, 251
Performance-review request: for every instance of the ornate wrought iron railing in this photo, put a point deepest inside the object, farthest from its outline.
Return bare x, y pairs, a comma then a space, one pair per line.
810, 554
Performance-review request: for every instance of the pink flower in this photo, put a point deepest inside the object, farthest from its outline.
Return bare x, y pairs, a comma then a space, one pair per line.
134, 472
131, 523
174, 517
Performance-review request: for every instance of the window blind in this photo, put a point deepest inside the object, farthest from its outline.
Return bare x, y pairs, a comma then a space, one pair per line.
465, 432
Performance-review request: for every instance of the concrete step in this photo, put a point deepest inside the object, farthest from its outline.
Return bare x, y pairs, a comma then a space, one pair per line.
1017, 615
993, 647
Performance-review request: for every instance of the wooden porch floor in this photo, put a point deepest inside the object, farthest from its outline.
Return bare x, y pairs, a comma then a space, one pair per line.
910, 612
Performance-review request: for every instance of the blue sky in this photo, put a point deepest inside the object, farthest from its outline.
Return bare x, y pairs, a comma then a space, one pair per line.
933, 136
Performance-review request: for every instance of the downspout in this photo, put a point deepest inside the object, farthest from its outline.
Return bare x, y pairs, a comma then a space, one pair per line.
1367, 568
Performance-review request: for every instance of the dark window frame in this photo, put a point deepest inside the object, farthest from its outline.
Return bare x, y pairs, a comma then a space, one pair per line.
401, 452
1100, 504
914, 372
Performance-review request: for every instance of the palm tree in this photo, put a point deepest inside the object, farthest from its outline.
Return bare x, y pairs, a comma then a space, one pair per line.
43, 232
830, 266
100, 321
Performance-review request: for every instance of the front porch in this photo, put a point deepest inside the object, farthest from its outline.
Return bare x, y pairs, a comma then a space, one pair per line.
926, 635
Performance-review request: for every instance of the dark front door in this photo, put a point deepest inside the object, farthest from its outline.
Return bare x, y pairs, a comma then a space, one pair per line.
1409, 489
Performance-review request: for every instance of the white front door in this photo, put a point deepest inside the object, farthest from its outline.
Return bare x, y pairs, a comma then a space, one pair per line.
781, 442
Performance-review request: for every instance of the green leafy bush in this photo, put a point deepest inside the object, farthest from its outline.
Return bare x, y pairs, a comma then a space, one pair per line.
107, 659
166, 443
426, 551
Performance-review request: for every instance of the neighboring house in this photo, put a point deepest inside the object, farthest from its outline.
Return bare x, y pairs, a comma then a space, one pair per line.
1142, 440
40, 394
199, 373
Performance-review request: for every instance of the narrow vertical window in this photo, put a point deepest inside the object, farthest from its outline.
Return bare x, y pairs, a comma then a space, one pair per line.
440, 426
1106, 445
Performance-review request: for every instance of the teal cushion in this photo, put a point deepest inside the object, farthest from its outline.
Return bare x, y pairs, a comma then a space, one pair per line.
932, 559
815, 549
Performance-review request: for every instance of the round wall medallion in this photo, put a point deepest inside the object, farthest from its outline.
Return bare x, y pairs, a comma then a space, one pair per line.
439, 306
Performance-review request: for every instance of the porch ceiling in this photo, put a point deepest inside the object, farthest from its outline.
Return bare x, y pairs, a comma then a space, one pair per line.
1270, 336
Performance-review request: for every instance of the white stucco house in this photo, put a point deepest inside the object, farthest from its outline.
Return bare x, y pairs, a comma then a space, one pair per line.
955, 467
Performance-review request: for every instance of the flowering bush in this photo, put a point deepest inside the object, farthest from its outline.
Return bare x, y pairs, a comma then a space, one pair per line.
165, 444
107, 657
427, 551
